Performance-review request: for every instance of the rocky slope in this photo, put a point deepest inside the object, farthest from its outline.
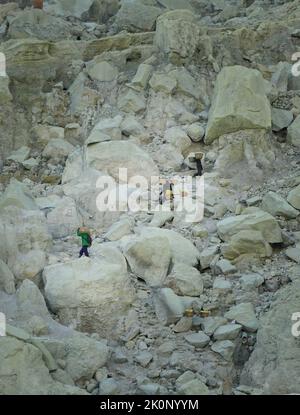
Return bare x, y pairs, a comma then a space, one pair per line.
90, 86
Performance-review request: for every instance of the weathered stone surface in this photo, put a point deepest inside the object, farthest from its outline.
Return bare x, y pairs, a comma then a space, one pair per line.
185, 280
251, 281
294, 197
199, 339
276, 205
272, 364
293, 135
281, 119
7, 279
64, 219
17, 359
183, 251
44, 133
210, 324
160, 82
134, 16
109, 157
247, 242
227, 332
168, 306
57, 149
225, 348
149, 258
99, 10
94, 292
5, 95
106, 130
38, 24
223, 266
20, 155
293, 254
257, 221
243, 314
239, 103
221, 285
177, 33
196, 132
119, 229
207, 256
142, 76
17, 194
132, 102
103, 71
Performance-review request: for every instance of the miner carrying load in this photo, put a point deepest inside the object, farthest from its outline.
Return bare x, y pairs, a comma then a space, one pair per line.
194, 161
86, 240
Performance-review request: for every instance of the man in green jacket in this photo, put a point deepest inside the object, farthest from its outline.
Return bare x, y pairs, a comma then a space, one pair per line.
84, 233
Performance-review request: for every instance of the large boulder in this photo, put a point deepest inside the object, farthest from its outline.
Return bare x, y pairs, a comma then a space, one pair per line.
239, 103
39, 24
293, 135
106, 130
27, 310
272, 365
149, 258
99, 10
281, 119
134, 16
246, 156
294, 197
91, 292
82, 188
182, 250
17, 194
257, 220
185, 280
177, 34
243, 314
25, 241
20, 361
64, 219
169, 307
247, 242
276, 205
109, 157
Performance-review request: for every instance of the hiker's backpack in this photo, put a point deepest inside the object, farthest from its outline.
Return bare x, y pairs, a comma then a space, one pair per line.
90, 241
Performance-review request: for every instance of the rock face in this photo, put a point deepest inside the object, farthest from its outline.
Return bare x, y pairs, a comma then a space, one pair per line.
272, 364
243, 314
39, 24
25, 242
17, 194
17, 359
99, 10
257, 221
239, 103
109, 157
177, 34
92, 292
134, 16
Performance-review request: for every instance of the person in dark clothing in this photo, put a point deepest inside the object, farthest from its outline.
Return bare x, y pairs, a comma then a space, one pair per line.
84, 233
166, 192
199, 168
